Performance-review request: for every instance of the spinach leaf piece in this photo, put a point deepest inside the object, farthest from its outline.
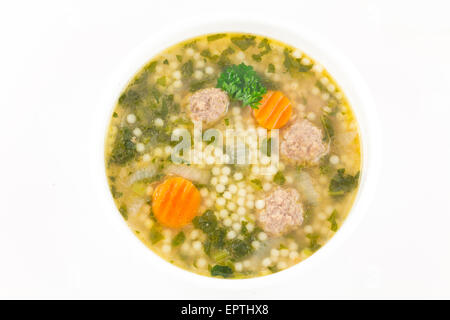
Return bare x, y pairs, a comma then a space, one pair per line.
207, 222
243, 42
187, 69
150, 68
155, 234
221, 271
343, 183
239, 248
313, 244
178, 239
328, 128
130, 99
292, 64
279, 178
214, 241
124, 212
217, 36
124, 149
257, 183
332, 220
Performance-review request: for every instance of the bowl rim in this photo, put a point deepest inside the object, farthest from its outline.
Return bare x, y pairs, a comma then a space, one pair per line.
336, 64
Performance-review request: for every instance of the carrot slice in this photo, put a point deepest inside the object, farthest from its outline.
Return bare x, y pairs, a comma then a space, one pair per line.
175, 202
274, 110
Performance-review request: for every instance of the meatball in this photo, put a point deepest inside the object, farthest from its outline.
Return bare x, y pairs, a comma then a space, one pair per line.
208, 105
302, 142
282, 212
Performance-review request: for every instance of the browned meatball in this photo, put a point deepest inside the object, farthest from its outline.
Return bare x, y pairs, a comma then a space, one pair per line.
282, 212
208, 105
302, 142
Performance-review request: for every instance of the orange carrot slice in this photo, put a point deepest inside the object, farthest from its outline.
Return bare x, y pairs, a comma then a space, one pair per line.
175, 202
274, 110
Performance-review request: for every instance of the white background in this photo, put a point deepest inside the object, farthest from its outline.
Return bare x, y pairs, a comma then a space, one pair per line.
54, 60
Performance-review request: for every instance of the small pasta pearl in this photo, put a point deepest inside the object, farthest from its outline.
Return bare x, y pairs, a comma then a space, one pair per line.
231, 234
201, 263
259, 204
220, 188
232, 188
262, 236
226, 170
131, 118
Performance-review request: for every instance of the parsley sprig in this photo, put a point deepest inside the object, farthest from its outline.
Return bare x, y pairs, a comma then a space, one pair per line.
242, 83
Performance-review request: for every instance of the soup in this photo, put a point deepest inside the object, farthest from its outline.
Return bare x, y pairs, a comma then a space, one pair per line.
233, 155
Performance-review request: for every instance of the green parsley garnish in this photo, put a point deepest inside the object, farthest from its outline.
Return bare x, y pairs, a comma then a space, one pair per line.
242, 83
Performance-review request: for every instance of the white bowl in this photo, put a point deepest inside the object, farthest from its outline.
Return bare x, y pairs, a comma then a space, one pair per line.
340, 69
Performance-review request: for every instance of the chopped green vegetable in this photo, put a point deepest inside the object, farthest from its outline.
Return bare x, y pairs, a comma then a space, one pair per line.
279, 178
308, 213
191, 44
292, 64
155, 235
187, 69
328, 128
115, 115
257, 183
139, 188
223, 60
206, 53
266, 49
242, 83
217, 36
161, 81
207, 222
215, 240
124, 212
342, 183
238, 248
221, 256
130, 99
243, 42
150, 68
313, 244
324, 165
202, 83
178, 239
221, 271
306, 252
114, 192
179, 58
227, 121
123, 149
321, 86
332, 220
256, 57
271, 68
265, 44
273, 268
